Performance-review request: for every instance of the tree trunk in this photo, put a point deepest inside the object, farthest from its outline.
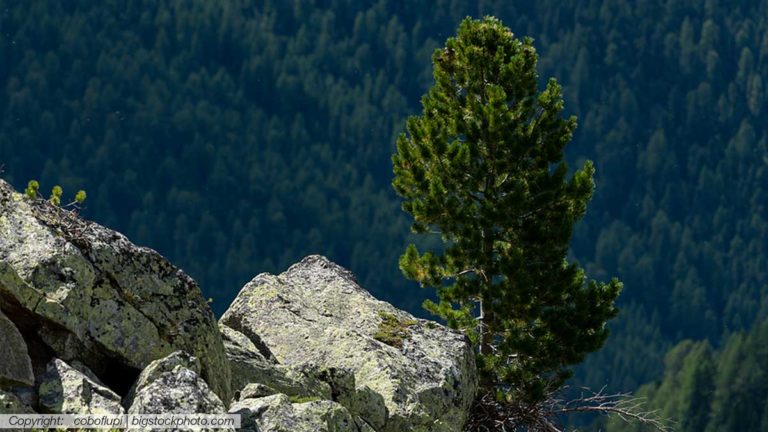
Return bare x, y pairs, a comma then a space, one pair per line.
486, 315
486, 336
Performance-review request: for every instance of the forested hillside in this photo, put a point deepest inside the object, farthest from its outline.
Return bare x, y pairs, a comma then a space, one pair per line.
708, 391
238, 136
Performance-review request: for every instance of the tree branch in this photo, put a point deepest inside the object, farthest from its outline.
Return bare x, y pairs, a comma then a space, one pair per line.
489, 414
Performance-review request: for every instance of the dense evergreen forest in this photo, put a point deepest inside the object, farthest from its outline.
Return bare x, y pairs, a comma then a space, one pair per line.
235, 137
708, 391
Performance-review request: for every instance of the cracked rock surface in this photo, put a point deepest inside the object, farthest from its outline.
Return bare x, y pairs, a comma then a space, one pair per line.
254, 363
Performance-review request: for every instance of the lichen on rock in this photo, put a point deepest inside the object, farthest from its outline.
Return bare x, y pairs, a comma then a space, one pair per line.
251, 362
74, 389
172, 385
315, 313
277, 413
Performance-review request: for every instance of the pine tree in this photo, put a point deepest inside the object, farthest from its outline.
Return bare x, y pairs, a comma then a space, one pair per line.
483, 167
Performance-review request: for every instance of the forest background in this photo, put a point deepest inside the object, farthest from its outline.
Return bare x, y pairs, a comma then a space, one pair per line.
236, 137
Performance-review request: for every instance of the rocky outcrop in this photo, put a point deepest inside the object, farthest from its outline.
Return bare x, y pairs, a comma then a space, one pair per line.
172, 385
92, 324
15, 364
277, 413
74, 389
86, 293
401, 373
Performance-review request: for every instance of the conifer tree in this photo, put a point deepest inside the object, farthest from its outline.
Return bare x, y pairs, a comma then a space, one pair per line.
483, 167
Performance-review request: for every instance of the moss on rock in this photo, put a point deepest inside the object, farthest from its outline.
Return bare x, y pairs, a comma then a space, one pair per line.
393, 330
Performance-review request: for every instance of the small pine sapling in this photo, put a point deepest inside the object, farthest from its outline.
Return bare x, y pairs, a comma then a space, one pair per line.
32, 192
32, 187
55, 198
80, 197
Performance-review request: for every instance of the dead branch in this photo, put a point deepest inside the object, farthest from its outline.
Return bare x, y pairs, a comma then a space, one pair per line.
490, 415
627, 407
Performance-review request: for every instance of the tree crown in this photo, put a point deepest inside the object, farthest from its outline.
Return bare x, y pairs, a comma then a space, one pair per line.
483, 167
